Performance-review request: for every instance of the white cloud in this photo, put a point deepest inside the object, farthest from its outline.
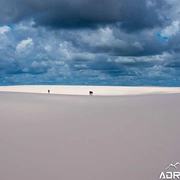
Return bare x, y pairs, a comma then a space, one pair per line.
150, 3
138, 46
86, 56
48, 48
124, 60
80, 65
21, 27
173, 12
23, 44
99, 37
106, 35
66, 49
38, 65
109, 60
171, 30
102, 37
4, 29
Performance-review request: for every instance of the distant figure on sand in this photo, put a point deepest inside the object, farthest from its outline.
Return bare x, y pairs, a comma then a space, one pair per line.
90, 92
48, 91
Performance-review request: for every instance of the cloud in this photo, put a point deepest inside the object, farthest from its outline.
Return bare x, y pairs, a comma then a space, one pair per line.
117, 42
138, 46
80, 13
171, 30
37, 68
48, 48
23, 44
4, 29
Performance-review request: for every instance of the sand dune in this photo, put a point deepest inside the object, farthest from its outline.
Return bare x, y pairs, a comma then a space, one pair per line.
97, 90
45, 137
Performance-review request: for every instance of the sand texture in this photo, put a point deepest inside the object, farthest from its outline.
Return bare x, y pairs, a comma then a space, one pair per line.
57, 137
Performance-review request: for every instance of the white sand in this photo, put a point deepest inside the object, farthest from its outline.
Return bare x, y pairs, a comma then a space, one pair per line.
97, 90
52, 137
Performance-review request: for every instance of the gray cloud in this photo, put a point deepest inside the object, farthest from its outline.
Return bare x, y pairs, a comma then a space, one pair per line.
132, 15
90, 42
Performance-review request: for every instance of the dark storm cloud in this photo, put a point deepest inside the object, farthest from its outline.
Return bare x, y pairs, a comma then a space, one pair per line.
142, 15
111, 68
9, 67
83, 13
121, 68
150, 48
107, 41
173, 64
119, 42
16, 67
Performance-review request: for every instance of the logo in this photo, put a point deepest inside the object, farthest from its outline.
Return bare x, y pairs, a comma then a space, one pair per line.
170, 174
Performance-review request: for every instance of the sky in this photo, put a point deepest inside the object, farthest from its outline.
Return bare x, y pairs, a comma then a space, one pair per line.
90, 42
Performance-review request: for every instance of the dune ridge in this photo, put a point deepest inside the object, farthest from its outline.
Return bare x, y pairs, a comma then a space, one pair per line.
84, 90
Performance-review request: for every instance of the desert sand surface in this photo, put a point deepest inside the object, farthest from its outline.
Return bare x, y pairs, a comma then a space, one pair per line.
84, 90
46, 136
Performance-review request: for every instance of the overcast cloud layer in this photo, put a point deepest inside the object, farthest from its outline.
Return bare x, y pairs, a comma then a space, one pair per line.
100, 42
